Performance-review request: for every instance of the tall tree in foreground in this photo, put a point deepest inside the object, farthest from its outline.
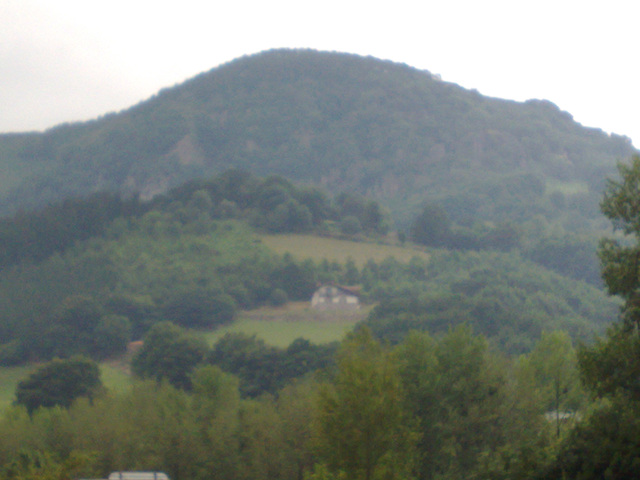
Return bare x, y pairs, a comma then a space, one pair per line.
605, 444
552, 370
361, 428
474, 421
612, 366
621, 257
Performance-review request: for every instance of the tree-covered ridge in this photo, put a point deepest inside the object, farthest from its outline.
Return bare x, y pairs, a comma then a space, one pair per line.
500, 295
272, 204
345, 122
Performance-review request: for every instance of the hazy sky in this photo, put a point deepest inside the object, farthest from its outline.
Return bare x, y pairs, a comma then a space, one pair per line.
70, 60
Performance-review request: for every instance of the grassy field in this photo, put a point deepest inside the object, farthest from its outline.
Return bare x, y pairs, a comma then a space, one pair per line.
333, 249
114, 376
567, 188
280, 326
9, 378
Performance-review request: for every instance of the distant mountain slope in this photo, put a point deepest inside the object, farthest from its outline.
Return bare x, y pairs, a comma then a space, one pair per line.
345, 122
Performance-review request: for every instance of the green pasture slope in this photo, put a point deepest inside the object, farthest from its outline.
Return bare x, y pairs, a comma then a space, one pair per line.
281, 326
9, 378
333, 249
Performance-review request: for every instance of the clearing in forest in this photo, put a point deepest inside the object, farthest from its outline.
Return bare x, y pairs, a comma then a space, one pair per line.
334, 249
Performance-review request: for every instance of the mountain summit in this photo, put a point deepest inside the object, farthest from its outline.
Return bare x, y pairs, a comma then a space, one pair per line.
341, 121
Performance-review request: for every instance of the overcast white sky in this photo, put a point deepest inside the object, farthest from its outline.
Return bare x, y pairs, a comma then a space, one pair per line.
70, 60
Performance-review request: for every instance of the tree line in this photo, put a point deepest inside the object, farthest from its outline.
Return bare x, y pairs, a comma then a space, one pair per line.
429, 407
273, 204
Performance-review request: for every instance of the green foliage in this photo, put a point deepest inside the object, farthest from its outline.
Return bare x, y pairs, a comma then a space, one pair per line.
431, 227
34, 236
569, 255
467, 412
197, 307
297, 280
552, 368
43, 466
604, 445
78, 325
263, 368
432, 408
612, 365
216, 389
609, 366
349, 123
59, 382
350, 225
169, 353
278, 297
196, 271
12, 353
620, 259
499, 295
272, 204
72, 329
361, 427
173, 263
111, 335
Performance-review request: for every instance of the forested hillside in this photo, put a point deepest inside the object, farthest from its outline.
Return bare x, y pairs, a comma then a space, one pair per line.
385, 130
88, 275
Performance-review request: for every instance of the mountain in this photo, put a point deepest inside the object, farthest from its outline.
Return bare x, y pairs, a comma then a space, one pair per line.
519, 182
343, 122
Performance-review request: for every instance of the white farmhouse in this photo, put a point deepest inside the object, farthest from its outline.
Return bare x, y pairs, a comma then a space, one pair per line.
332, 297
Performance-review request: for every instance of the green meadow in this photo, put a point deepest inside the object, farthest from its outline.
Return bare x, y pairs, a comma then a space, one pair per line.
9, 378
333, 249
567, 188
115, 377
281, 326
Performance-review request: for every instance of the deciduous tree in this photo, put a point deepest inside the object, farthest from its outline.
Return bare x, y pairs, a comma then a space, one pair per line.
169, 353
605, 444
59, 382
552, 368
431, 227
361, 427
